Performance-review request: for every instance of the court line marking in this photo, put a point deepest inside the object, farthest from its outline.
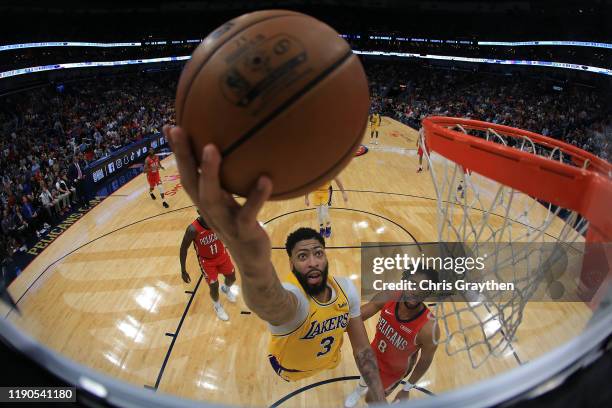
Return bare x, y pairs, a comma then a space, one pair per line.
87, 243
174, 337
170, 348
265, 223
347, 209
270, 220
192, 296
454, 203
82, 217
328, 381
176, 334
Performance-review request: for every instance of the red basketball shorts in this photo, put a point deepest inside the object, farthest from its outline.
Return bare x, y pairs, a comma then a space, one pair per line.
153, 179
211, 268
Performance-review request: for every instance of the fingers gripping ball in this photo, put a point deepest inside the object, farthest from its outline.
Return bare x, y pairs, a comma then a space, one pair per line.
280, 93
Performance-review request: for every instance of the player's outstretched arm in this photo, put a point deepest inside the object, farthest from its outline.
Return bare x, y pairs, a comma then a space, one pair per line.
190, 234
237, 227
373, 306
427, 345
365, 359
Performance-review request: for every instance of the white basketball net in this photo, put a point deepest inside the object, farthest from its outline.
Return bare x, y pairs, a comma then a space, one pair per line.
489, 217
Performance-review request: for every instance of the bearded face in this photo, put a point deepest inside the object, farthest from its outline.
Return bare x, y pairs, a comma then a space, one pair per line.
309, 265
314, 281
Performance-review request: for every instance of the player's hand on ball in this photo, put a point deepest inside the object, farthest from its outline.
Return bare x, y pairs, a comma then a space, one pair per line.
235, 224
186, 277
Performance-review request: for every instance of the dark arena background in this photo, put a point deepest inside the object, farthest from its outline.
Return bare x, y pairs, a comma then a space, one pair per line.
91, 288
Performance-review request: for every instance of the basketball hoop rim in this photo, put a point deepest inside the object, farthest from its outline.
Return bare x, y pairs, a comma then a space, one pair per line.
585, 190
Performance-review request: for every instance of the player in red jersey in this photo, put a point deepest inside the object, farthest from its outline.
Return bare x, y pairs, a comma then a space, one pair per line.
404, 339
151, 167
213, 259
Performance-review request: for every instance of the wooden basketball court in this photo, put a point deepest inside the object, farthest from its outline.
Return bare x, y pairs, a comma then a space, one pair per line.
108, 292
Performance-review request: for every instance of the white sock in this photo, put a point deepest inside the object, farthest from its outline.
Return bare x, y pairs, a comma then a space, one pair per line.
325, 214
361, 389
216, 304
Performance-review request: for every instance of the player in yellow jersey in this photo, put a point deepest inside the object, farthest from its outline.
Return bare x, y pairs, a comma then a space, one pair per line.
311, 340
321, 200
308, 314
375, 121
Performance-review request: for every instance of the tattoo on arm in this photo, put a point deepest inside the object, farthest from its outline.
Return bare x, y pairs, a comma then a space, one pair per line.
366, 362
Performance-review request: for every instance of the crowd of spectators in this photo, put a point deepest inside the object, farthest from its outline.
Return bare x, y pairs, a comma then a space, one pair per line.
49, 135
577, 115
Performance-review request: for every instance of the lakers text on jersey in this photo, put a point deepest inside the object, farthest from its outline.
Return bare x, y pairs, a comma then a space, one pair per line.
315, 344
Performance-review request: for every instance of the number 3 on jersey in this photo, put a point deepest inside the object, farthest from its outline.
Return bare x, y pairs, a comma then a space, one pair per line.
326, 343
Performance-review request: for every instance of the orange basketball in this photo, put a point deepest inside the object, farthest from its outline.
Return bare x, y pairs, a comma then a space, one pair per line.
280, 93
